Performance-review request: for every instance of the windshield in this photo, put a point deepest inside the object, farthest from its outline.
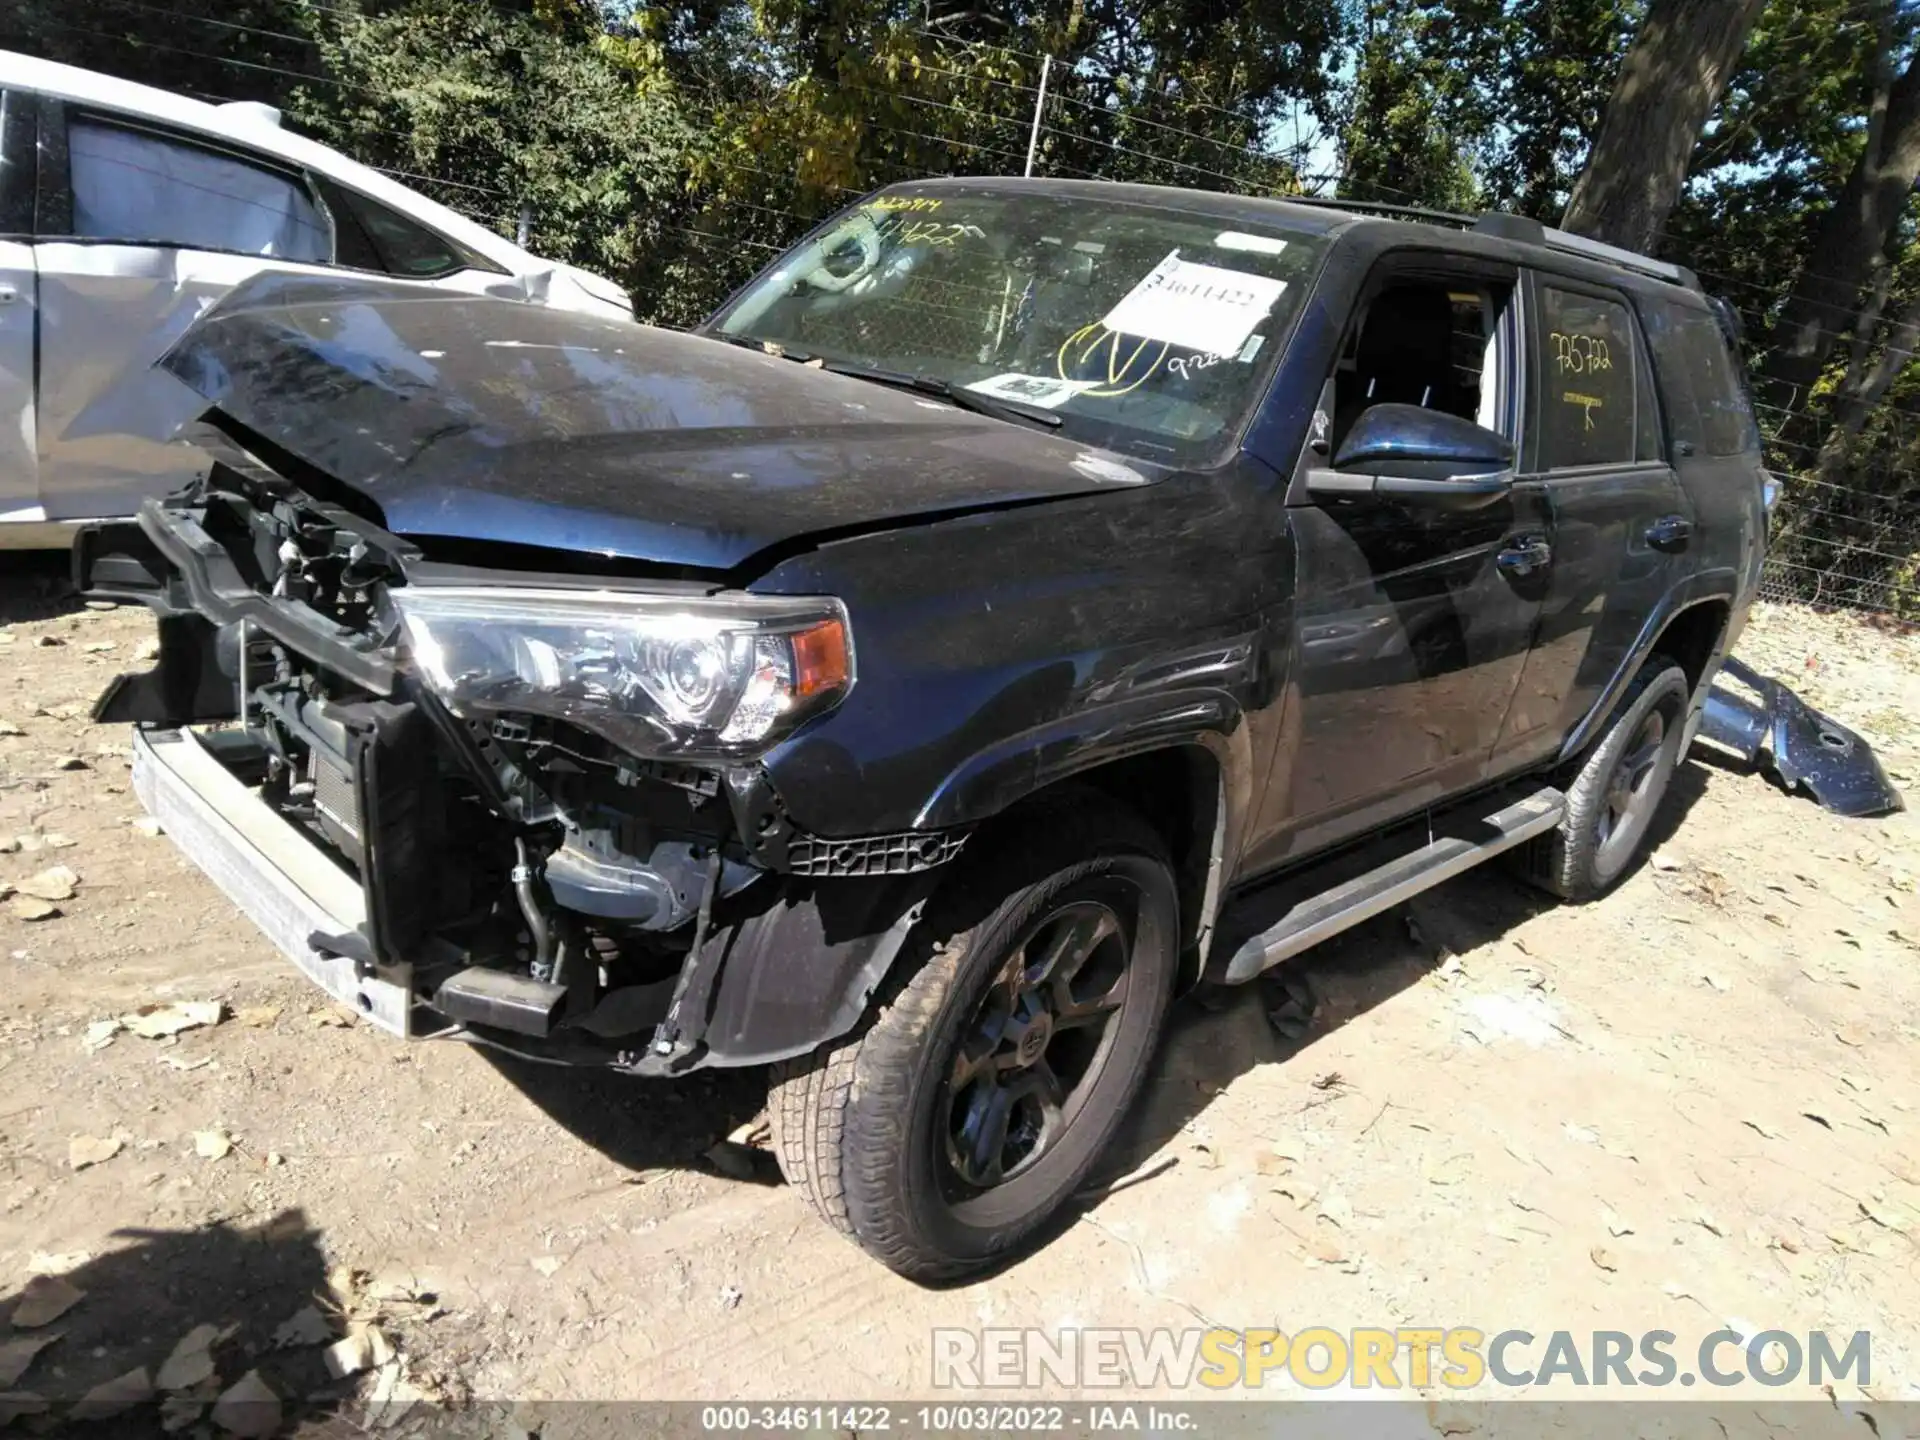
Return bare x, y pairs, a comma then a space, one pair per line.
1144, 329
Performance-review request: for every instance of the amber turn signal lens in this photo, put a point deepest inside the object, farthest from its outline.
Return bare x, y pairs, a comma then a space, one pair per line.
821, 663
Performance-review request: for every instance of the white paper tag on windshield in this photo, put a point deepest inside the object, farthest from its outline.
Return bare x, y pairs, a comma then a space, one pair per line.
1195, 306
1048, 394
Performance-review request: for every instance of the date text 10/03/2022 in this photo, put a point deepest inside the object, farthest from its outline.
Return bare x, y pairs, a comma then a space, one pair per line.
946, 1419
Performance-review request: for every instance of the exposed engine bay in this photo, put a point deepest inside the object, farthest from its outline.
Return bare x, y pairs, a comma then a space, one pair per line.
536, 885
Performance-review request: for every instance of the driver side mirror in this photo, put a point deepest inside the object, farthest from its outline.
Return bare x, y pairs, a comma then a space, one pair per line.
1416, 456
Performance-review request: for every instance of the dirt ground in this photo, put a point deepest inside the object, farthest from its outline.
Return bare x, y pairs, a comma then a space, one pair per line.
1691, 1103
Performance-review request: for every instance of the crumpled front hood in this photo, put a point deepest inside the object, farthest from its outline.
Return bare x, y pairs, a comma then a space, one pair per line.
486, 419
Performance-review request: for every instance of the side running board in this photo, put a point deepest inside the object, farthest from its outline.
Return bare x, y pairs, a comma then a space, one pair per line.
1320, 916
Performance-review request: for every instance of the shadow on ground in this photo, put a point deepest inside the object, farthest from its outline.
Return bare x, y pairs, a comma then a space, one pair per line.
647, 1124
139, 1301
1219, 1033
36, 585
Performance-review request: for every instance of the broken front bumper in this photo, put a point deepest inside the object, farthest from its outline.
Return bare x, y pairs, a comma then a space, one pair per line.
783, 970
279, 879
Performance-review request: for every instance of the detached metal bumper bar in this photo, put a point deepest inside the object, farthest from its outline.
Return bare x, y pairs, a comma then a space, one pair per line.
279, 879
223, 595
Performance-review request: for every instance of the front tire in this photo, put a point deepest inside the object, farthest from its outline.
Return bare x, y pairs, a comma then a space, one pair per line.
1617, 791
987, 1081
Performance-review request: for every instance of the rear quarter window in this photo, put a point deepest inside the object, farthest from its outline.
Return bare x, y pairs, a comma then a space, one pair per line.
1708, 411
375, 237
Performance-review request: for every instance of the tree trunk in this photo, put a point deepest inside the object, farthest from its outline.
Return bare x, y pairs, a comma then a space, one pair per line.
1849, 241
1672, 77
1865, 389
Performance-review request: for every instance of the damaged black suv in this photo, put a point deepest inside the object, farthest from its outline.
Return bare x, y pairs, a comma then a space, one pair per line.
1021, 601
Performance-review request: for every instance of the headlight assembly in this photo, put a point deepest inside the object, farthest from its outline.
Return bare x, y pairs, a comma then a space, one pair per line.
655, 674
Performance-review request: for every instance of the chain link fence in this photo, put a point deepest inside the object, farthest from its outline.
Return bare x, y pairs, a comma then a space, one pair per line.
1825, 553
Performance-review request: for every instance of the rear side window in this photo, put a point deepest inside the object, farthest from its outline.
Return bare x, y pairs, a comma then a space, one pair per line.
1708, 409
1587, 389
138, 187
374, 237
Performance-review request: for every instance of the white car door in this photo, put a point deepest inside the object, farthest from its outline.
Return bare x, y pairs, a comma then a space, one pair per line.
161, 225
19, 481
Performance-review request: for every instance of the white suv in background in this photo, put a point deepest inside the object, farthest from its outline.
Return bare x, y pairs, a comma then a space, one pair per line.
125, 212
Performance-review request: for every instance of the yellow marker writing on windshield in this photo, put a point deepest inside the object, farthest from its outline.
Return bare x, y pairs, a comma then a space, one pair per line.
1123, 375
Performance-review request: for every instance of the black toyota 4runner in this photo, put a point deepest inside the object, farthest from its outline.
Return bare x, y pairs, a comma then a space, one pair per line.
1021, 601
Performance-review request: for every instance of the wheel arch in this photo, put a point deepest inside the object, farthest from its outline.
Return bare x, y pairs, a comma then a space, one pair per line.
1692, 638
1190, 787
1694, 625
1182, 791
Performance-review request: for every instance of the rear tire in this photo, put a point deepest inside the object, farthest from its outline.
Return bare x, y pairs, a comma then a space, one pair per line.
1614, 796
989, 1077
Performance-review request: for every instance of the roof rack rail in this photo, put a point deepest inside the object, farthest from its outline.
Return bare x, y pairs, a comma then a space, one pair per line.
1370, 207
1522, 228
1532, 232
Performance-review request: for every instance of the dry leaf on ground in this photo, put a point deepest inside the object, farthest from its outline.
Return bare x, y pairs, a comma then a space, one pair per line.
17, 1356
84, 1151
53, 883
157, 1022
44, 1299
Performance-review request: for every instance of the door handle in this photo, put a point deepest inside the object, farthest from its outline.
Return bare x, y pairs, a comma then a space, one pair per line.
1524, 554
1670, 532
8, 294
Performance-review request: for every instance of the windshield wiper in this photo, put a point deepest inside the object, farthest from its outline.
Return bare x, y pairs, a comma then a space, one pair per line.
765, 347
953, 394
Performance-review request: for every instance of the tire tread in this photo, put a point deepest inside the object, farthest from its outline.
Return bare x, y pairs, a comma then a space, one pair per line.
841, 1115
1561, 861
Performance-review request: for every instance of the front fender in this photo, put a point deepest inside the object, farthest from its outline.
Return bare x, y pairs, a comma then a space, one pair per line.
1003, 774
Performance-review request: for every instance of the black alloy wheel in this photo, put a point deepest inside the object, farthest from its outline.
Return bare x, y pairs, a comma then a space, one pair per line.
1035, 1044
1631, 794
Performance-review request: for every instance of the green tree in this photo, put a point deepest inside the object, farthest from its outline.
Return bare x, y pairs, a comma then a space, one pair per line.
1853, 242
515, 110
1562, 58
1420, 109
210, 49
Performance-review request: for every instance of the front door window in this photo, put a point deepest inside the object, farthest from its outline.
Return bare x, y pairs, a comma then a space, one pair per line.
134, 187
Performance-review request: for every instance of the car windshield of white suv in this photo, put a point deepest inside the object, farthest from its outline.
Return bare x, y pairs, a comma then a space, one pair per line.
1147, 329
